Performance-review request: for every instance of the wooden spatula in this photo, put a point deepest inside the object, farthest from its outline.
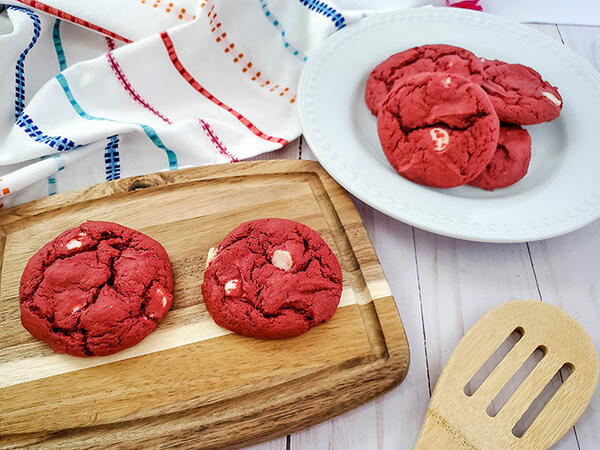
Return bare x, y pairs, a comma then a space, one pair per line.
458, 418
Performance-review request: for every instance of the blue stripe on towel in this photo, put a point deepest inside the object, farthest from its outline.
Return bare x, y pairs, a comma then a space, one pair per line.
62, 63
23, 120
60, 53
60, 162
51, 182
111, 158
326, 10
20, 66
56, 142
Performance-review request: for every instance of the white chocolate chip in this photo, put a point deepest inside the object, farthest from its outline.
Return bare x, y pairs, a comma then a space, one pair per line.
82, 234
282, 259
550, 96
447, 81
450, 64
73, 243
212, 252
231, 286
440, 138
76, 308
164, 297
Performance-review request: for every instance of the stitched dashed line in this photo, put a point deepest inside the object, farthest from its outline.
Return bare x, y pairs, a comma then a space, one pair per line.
20, 66
277, 24
24, 121
71, 18
238, 57
326, 10
4, 190
62, 63
120, 74
126, 84
60, 162
215, 140
169, 46
152, 135
112, 159
60, 52
169, 8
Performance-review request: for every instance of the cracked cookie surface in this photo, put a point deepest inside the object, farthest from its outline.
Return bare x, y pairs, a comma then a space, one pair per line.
519, 94
272, 279
437, 129
510, 162
96, 289
427, 58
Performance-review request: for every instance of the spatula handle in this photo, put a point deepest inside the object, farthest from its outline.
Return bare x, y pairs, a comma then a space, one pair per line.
436, 433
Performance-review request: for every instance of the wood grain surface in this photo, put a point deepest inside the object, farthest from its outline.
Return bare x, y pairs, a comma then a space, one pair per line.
443, 286
459, 415
191, 382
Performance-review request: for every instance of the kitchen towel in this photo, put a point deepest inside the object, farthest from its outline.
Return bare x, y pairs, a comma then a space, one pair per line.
103, 89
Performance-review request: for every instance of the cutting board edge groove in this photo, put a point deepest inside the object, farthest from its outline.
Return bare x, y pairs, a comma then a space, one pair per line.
390, 366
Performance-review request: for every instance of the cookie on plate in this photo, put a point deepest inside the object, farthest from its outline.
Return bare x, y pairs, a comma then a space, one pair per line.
510, 162
272, 279
437, 129
519, 94
96, 289
427, 58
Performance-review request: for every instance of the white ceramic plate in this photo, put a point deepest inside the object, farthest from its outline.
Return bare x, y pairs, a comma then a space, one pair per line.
560, 193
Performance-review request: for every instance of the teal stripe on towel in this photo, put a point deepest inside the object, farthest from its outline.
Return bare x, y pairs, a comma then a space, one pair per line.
150, 132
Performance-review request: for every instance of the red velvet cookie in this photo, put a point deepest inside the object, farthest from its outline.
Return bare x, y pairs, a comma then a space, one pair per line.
427, 58
519, 94
438, 129
510, 162
96, 289
272, 279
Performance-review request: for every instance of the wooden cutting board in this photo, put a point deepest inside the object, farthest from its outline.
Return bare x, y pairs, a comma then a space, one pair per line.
192, 383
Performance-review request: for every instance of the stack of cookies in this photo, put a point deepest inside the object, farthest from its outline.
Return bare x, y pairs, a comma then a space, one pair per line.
447, 118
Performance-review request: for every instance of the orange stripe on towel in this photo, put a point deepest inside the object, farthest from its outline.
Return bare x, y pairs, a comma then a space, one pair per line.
221, 37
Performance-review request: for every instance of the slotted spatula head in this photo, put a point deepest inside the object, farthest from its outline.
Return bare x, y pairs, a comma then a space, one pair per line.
455, 420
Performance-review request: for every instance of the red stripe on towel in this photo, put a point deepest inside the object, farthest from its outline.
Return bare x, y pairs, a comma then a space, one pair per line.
215, 140
118, 71
196, 85
126, 84
71, 18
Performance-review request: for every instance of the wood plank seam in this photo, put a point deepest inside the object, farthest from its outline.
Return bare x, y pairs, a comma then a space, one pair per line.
421, 310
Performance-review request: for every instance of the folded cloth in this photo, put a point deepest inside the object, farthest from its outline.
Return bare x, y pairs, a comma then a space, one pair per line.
140, 86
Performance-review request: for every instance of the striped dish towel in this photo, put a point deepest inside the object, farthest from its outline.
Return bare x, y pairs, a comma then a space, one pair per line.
103, 89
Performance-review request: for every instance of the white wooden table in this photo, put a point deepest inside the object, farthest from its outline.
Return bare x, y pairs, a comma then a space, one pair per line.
442, 286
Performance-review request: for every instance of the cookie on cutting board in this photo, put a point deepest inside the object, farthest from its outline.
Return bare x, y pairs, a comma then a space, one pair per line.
272, 279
